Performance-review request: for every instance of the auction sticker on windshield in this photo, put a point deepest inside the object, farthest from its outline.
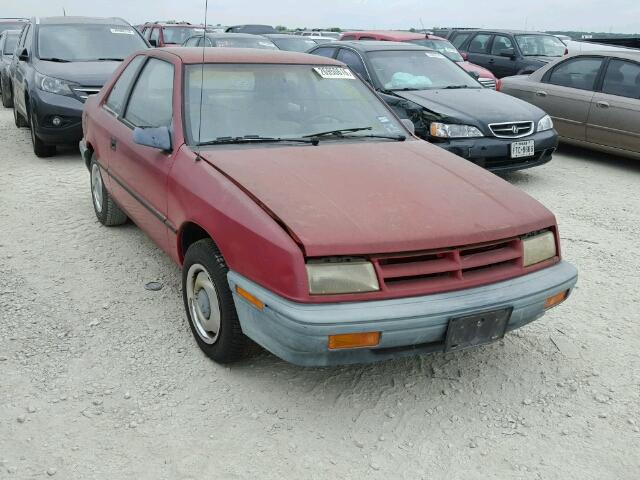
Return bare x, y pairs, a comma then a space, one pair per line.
122, 31
335, 73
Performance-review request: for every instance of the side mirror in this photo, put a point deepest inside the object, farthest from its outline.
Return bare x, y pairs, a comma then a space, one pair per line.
153, 42
464, 55
509, 52
24, 55
154, 137
409, 124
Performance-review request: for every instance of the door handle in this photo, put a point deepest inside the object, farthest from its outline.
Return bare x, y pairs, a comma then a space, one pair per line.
603, 104
541, 93
114, 143
491, 60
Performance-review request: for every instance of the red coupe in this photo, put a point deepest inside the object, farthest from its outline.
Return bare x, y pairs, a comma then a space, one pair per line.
306, 216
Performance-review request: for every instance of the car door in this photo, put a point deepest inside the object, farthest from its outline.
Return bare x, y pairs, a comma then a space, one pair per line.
503, 56
478, 50
566, 92
354, 62
614, 116
139, 173
20, 70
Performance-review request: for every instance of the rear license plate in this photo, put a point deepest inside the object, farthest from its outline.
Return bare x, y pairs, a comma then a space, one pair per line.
477, 329
523, 149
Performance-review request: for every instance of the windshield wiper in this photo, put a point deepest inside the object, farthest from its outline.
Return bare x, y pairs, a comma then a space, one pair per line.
455, 87
255, 139
407, 89
55, 59
339, 132
109, 59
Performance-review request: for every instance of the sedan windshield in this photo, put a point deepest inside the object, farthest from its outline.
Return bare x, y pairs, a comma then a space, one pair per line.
443, 46
294, 44
244, 42
281, 101
178, 35
540, 45
418, 70
85, 42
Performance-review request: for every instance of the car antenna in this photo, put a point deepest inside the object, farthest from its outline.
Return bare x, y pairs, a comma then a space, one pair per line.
204, 36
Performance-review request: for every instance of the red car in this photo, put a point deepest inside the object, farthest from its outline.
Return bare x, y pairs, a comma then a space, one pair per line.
166, 34
306, 216
439, 44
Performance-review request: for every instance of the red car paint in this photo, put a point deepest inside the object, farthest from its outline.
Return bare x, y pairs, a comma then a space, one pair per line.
391, 36
270, 208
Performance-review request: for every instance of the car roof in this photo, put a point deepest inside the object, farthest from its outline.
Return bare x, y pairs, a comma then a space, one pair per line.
512, 32
173, 24
376, 45
626, 54
230, 35
194, 55
399, 35
286, 35
80, 20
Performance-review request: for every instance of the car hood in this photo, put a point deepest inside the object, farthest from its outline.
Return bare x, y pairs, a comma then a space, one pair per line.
476, 106
365, 197
88, 74
472, 67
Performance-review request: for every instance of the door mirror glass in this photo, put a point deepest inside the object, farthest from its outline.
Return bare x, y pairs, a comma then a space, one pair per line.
24, 55
409, 124
154, 137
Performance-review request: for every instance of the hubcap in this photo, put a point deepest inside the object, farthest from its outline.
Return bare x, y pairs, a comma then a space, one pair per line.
96, 187
202, 299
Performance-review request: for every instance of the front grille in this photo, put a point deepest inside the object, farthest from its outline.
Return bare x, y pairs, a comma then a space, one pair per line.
488, 83
84, 92
511, 129
450, 269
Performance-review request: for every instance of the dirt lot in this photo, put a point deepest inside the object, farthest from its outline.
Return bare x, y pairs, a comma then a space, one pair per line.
101, 379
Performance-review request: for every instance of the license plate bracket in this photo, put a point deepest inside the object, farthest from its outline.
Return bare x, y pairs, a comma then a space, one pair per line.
476, 329
522, 149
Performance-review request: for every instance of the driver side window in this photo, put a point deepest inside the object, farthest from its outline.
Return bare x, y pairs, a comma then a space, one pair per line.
151, 101
354, 62
501, 44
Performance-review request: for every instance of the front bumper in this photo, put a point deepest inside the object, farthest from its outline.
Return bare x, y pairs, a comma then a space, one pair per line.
298, 333
69, 109
494, 153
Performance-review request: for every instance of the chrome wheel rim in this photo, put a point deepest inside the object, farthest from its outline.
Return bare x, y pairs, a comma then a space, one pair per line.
96, 187
202, 300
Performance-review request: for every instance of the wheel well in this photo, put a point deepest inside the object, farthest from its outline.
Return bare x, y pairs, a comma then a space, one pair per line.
189, 234
87, 161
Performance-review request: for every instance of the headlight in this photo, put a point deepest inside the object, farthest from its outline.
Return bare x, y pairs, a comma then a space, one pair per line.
443, 130
539, 248
349, 275
545, 124
53, 85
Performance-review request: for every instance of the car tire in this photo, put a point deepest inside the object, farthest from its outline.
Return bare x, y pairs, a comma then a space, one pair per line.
209, 304
7, 100
19, 120
107, 211
40, 148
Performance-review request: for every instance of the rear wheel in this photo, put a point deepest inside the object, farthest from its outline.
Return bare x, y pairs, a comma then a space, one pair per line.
40, 148
107, 211
209, 303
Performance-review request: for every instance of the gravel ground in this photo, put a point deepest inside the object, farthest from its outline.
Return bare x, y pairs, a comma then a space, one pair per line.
100, 378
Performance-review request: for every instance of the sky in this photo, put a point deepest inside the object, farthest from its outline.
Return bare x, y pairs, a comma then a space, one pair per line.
621, 16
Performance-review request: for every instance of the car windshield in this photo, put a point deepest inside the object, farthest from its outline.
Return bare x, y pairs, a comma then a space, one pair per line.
244, 42
294, 44
540, 45
178, 35
11, 26
418, 70
443, 46
280, 101
87, 42
10, 44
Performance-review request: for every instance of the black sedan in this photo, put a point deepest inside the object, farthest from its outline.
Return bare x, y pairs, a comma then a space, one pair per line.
448, 107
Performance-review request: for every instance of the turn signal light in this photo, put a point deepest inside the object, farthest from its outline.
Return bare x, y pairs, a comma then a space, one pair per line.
354, 340
557, 299
249, 298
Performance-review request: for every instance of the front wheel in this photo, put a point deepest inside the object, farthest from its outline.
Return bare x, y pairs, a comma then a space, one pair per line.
40, 148
209, 303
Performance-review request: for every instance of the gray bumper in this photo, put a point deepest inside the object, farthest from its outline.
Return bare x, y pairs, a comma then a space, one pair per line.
298, 332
